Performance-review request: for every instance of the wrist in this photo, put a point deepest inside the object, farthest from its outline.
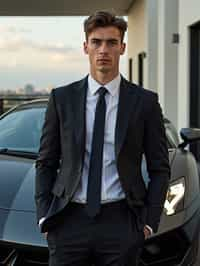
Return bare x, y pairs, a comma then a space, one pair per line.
149, 229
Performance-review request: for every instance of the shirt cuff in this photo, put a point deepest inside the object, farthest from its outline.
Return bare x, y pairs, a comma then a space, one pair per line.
149, 228
41, 221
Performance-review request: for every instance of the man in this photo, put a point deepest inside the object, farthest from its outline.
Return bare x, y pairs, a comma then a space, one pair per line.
91, 199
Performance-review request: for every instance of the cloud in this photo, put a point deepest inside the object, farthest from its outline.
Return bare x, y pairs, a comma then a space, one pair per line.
12, 44
12, 29
16, 43
17, 52
59, 47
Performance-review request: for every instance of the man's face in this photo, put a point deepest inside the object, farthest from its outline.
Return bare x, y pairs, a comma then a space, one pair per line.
104, 48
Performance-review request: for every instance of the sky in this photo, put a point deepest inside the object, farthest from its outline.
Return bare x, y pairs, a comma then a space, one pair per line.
43, 51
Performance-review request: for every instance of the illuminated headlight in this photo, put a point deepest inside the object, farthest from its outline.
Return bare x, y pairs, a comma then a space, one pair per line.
175, 195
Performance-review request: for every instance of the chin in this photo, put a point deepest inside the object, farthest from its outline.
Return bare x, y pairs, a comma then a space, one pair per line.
104, 69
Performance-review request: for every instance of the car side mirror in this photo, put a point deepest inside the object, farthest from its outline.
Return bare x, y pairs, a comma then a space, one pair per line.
189, 135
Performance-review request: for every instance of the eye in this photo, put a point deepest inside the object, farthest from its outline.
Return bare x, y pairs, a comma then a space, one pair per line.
96, 42
112, 42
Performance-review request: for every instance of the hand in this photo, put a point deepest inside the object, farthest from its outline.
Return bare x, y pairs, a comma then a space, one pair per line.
147, 232
45, 235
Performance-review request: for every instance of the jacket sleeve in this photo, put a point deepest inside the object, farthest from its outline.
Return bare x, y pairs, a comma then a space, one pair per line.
48, 159
157, 158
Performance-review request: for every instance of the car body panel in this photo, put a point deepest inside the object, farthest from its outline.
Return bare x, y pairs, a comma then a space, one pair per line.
17, 183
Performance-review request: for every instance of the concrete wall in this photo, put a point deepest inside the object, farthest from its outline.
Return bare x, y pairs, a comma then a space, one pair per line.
137, 38
152, 44
167, 69
162, 18
152, 24
189, 13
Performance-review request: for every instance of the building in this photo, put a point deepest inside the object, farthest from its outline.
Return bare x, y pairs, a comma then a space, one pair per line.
164, 55
29, 89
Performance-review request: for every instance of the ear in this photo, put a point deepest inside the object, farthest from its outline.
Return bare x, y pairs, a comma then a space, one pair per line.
123, 48
85, 47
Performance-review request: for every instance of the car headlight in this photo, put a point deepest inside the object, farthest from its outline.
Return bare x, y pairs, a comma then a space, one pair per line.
175, 195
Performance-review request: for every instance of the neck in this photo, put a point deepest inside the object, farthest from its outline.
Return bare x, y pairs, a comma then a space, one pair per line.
103, 78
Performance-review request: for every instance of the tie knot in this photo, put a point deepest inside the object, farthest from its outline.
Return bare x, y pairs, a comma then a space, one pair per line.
102, 91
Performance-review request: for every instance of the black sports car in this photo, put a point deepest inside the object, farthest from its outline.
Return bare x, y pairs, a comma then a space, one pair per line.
21, 243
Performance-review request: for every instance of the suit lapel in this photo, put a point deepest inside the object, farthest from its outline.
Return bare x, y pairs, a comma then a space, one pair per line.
79, 109
128, 99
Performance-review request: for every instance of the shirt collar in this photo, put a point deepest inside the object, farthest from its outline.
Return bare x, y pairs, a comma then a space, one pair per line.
112, 86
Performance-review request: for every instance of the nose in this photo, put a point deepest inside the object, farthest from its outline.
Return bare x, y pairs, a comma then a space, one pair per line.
103, 48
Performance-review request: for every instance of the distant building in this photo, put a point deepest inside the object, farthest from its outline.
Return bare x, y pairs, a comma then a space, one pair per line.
48, 89
29, 89
19, 91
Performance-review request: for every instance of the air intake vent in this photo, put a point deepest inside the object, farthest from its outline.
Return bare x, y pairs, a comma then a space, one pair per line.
7, 253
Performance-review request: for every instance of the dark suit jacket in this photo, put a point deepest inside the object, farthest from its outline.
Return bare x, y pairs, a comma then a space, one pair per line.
139, 129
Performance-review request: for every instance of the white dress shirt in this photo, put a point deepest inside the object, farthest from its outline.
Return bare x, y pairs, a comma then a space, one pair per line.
111, 189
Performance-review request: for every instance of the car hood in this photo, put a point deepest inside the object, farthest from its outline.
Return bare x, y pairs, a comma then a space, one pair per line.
17, 183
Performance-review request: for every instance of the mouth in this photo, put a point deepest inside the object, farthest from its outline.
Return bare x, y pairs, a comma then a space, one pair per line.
103, 61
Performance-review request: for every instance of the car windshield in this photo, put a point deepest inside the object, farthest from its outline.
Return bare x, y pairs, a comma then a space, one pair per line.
21, 129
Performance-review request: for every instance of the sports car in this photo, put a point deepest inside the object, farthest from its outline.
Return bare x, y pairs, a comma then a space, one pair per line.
22, 244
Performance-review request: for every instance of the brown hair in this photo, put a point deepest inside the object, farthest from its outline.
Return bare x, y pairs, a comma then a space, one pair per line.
104, 19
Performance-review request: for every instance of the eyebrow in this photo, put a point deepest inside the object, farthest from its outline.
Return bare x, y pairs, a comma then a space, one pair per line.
111, 39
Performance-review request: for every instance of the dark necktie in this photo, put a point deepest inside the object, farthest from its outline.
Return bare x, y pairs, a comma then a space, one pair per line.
96, 157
